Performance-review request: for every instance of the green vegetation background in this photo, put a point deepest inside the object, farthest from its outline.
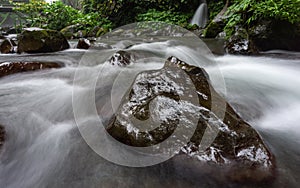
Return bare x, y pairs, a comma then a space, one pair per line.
109, 14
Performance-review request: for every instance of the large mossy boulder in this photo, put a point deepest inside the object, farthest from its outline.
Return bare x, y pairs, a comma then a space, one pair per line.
35, 40
276, 34
157, 95
8, 68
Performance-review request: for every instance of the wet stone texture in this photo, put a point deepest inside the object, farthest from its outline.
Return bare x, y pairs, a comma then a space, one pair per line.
236, 151
120, 58
36, 40
7, 68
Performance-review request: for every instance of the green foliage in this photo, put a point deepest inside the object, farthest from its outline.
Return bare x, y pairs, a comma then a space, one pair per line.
245, 13
214, 7
33, 10
123, 12
164, 16
91, 20
288, 10
58, 15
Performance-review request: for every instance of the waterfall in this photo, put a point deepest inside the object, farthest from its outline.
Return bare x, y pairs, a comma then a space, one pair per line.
201, 15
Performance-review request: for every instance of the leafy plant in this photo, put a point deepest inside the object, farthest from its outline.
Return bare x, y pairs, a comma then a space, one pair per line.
122, 12
57, 16
164, 16
33, 10
246, 13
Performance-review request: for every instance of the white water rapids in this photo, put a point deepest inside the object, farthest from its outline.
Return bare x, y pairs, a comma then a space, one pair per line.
44, 148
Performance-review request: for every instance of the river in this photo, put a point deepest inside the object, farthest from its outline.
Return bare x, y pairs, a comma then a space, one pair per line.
45, 149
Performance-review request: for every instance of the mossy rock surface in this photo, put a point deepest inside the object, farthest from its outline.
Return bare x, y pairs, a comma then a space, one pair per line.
35, 40
214, 28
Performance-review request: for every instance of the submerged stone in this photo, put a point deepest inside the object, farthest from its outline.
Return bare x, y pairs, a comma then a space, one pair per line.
8, 68
167, 97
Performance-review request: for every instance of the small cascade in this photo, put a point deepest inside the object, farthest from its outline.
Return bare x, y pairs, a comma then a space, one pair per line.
201, 15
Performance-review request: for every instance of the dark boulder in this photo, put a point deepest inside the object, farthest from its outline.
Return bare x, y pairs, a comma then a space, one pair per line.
240, 43
7, 46
8, 68
236, 152
83, 44
268, 35
35, 40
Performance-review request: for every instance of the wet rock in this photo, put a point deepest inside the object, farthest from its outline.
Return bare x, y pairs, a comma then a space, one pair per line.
268, 35
214, 28
97, 31
177, 96
8, 68
83, 44
7, 46
217, 25
35, 40
120, 58
74, 31
2, 136
240, 43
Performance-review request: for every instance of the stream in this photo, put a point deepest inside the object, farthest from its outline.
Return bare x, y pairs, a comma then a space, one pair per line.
45, 149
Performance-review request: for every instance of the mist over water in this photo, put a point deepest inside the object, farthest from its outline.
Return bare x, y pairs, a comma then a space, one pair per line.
45, 149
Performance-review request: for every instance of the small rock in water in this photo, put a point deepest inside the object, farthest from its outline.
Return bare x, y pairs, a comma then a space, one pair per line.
121, 58
8, 68
83, 44
240, 43
236, 152
7, 46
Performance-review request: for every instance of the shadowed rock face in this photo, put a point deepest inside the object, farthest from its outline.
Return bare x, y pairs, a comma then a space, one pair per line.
236, 152
8, 68
35, 40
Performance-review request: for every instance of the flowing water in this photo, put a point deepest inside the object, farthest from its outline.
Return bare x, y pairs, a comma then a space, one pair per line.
201, 15
45, 149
